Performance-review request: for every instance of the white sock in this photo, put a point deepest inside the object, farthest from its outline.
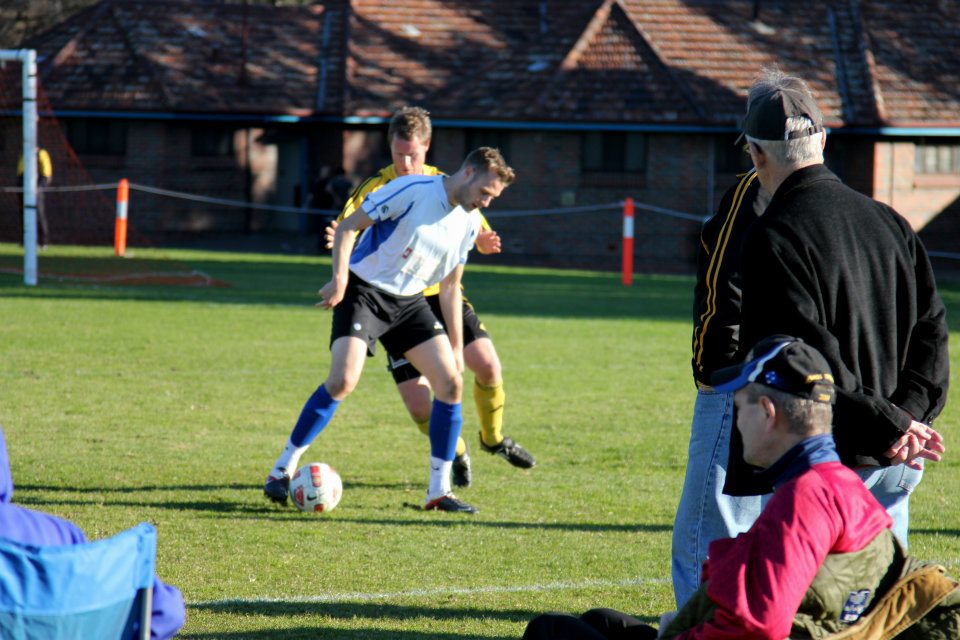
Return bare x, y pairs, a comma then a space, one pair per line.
439, 478
287, 462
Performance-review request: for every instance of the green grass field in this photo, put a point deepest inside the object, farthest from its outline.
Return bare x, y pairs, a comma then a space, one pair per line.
170, 403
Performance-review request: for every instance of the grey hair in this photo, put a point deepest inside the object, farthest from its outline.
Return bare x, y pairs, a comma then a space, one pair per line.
804, 150
804, 417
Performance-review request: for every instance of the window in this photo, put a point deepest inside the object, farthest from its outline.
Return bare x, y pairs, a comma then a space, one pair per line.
496, 138
614, 151
211, 141
98, 137
937, 157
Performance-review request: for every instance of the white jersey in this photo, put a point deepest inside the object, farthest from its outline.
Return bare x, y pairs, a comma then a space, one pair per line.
416, 239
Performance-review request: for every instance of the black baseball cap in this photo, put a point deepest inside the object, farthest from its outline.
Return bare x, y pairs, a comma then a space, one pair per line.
784, 363
767, 114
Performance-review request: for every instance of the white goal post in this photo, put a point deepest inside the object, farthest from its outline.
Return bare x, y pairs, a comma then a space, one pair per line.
28, 60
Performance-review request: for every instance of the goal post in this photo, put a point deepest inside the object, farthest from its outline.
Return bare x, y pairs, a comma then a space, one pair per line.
28, 61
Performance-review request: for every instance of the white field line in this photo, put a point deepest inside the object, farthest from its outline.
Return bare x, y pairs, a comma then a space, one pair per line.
441, 591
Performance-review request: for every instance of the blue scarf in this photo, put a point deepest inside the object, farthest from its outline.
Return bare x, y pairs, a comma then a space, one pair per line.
805, 454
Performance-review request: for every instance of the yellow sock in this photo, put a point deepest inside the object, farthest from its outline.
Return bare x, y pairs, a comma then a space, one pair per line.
489, 401
425, 430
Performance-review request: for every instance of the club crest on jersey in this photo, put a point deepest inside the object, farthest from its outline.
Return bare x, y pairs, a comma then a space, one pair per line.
406, 253
384, 208
855, 605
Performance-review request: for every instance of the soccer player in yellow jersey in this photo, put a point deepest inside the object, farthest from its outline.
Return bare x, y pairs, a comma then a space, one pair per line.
44, 178
409, 135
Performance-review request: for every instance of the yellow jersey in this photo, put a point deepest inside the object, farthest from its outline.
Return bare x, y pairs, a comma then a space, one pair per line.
43, 162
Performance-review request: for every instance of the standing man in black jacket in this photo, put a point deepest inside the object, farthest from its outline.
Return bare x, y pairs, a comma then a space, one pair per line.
849, 276
705, 513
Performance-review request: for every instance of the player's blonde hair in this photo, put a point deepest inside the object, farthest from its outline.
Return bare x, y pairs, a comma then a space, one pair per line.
411, 122
490, 159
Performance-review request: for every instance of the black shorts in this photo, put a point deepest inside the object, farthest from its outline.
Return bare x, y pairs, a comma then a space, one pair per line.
401, 369
399, 322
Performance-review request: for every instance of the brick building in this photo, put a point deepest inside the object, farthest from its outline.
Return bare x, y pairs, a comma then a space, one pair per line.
591, 101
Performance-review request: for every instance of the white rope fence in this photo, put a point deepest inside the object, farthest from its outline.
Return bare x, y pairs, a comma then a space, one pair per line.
508, 213
227, 202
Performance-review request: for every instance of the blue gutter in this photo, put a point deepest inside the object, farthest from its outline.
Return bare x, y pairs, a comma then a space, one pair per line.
922, 132
945, 132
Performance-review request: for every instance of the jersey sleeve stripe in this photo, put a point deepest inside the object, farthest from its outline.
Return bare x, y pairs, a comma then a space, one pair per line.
716, 259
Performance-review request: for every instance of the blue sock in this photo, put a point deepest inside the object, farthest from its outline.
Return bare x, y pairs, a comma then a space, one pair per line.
445, 424
315, 415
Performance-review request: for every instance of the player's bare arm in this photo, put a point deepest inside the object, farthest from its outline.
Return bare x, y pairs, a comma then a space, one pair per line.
343, 241
451, 305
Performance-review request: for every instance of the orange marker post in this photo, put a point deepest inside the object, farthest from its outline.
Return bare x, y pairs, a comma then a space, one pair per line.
120, 227
627, 275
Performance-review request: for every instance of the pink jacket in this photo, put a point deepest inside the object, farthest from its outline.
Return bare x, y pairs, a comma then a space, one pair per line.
759, 578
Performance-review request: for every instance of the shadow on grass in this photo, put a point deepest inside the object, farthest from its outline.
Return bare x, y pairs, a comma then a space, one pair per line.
936, 532
350, 610
312, 633
268, 280
263, 280
231, 486
276, 513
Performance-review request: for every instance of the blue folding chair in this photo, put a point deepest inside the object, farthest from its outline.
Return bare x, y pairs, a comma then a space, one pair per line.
100, 590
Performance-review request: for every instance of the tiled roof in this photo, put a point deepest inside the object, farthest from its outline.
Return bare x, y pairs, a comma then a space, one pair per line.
182, 55
869, 62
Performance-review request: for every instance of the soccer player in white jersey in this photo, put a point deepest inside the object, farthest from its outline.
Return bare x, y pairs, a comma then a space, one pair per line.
416, 232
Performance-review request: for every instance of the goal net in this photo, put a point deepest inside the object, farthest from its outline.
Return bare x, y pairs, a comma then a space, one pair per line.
71, 208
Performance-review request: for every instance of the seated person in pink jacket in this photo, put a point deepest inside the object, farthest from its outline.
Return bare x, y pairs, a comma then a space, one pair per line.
764, 582
34, 527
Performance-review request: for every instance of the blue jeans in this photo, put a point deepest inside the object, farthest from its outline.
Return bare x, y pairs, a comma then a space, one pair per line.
892, 486
705, 513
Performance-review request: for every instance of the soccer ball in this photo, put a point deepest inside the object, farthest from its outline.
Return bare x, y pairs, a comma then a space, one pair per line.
316, 488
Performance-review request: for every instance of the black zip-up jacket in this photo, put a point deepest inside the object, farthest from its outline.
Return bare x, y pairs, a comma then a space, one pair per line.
716, 299
850, 277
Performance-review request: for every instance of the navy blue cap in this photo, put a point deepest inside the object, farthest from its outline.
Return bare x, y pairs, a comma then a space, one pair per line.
782, 362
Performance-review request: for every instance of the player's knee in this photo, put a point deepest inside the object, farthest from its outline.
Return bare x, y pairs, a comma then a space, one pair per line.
481, 358
340, 386
416, 398
451, 390
419, 407
488, 373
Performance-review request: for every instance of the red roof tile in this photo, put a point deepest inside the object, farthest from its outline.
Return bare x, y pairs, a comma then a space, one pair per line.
869, 62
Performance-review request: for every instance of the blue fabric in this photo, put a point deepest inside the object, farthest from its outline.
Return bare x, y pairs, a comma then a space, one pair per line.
6, 480
705, 513
803, 455
374, 236
82, 590
316, 414
892, 486
41, 531
445, 424
746, 372
381, 230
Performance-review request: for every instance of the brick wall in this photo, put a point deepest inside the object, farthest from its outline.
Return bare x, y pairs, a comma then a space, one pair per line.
678, 176
549, 176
